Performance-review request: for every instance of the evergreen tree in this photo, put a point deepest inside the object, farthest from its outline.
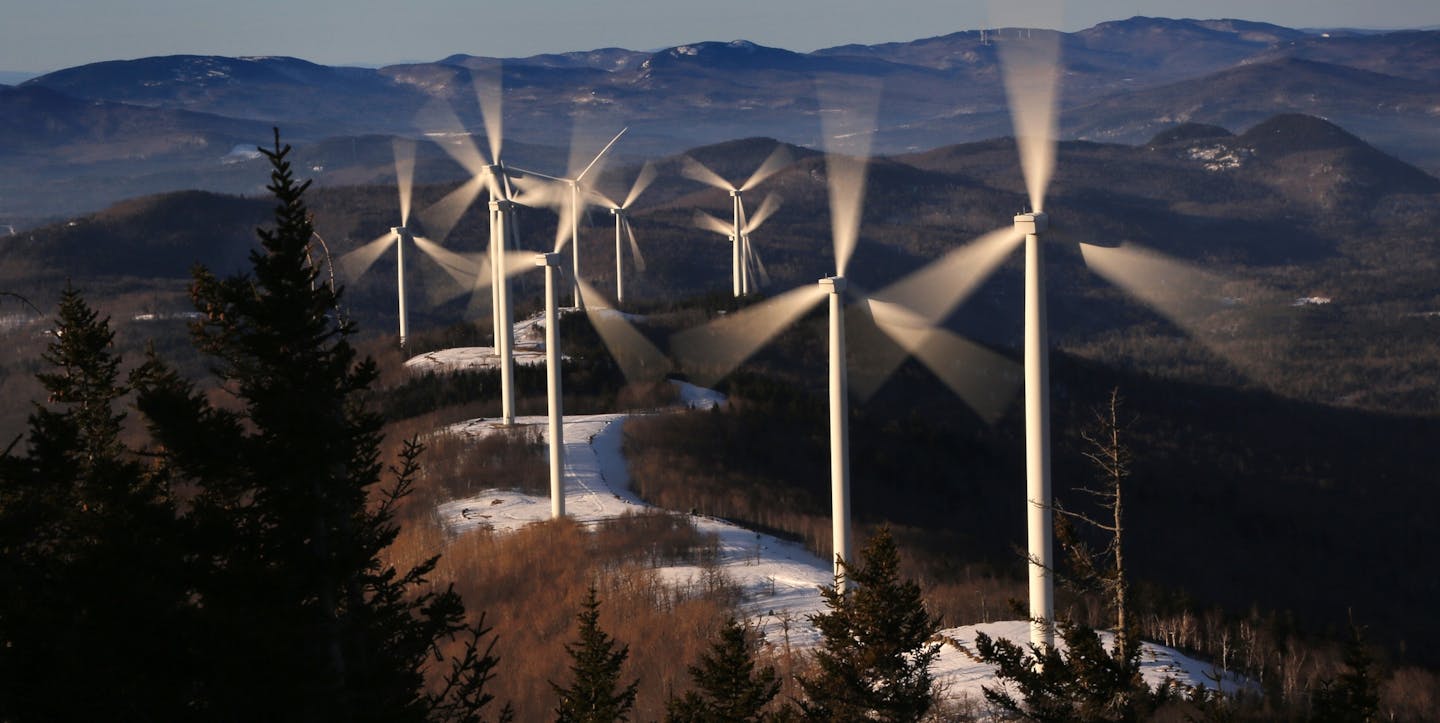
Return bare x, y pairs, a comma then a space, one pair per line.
875, 656
1085, 682
594, 696
729, 686
92, 618
302, 618
1354, 696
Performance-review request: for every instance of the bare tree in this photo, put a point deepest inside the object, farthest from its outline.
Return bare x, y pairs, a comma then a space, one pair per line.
1104, 569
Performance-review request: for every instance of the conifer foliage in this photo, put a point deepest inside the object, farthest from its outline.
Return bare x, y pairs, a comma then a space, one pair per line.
303, 620
729, 688
595, 695
875, 656
92, 614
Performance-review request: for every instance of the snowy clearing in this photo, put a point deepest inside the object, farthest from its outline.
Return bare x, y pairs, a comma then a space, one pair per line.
780, 579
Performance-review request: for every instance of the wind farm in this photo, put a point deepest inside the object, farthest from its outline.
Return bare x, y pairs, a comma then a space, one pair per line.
1218, 330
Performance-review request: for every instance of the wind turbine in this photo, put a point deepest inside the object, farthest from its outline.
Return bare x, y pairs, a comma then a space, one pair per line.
1183, 293
490, 175
355, 263
752, 269
740, 260
567, 194
624, 230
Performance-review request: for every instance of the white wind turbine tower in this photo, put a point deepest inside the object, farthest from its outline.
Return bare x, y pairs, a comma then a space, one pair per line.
1179, 291
494, 176
623, 229
902, 311
357, 262
741, 281
568, 196
752, 270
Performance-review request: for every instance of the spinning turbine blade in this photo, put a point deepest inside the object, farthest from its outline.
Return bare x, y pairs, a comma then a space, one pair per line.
642, 182
1031, 67
563, 216
1201, 303
488, 82
696, 171
708, 353
460, 268
457, 141
778, 159
768, 207
759, 265
639, 360
354, 264
440, 218
634, 247
935, 290
847, 120
595, 161
983, 379
710, 223
404, 174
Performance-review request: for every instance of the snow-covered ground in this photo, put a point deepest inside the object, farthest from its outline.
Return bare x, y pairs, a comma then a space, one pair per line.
781, 579
529, 351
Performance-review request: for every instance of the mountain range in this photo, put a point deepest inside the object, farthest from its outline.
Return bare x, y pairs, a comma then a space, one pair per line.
83, 137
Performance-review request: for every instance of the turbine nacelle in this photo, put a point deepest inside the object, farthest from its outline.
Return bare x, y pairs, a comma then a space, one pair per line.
547, 259
1032, 223
503, 205
833, 284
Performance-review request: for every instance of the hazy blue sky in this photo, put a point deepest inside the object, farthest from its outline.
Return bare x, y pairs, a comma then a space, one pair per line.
40, 35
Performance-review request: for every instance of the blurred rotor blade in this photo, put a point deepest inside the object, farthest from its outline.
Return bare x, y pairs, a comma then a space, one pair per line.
849, 129
936, 289
595, 162
535, 190
768, 207
1222, 314
763, 274
404, 149
1030, 64
354, 264
634, 247
439, 121
562, 227
696, 171
472, 284
642, 182
459, 267
489, 82
708, 353
778, 159
983, 379
600, 199
639, 360
873, 355
710, 223
440, 218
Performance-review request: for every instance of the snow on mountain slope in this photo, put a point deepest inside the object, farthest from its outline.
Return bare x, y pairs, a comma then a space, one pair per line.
780, 579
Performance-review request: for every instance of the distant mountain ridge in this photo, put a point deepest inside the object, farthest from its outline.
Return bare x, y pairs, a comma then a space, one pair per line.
1124, 81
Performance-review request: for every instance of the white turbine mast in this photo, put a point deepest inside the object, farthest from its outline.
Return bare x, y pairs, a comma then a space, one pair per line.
355, 263
742, 261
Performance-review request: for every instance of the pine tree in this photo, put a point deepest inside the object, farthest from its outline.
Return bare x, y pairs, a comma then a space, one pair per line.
92, 618
875, 656
1085, 682
303, 620
1353, 696
594, 696
729, 686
